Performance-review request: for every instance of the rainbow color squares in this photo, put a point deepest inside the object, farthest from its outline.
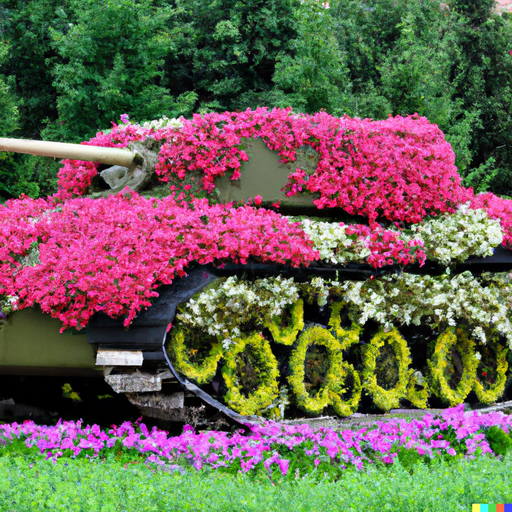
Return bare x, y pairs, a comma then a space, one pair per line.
492, 507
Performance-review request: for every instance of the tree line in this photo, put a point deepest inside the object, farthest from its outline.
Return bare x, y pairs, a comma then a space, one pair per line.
69, 68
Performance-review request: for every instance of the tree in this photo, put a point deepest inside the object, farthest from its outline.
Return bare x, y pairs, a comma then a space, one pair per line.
314, 73
25, 25
226, 51
8, 106
111, 62
481, 71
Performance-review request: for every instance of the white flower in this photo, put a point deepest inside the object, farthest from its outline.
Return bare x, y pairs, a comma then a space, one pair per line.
419, 378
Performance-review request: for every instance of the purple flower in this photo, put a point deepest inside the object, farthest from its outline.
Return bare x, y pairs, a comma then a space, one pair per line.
283, 465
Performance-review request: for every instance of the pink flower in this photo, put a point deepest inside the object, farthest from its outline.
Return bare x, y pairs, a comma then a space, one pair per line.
283, 465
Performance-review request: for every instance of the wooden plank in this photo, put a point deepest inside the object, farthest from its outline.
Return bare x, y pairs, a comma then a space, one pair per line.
119, 358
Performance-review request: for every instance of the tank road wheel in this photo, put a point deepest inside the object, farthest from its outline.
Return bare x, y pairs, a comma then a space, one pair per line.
489, 394
387, 399
202, 372
350, 405
287, 335
331, 389
265, 371
448, 344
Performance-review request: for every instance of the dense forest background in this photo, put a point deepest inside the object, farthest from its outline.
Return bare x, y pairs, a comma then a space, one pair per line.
68, 68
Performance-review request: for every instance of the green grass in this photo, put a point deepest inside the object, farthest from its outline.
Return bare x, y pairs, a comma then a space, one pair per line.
92, 485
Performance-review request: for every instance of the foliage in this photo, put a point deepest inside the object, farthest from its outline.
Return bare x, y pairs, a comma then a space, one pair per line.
313, 73
110, 61
25, 25
8, 107
227, 51
499, 440
113, 485
9, 116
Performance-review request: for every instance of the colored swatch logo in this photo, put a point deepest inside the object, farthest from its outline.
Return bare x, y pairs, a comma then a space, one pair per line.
492, 507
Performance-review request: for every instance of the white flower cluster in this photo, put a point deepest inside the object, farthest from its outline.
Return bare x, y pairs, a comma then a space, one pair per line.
320, 290
221, 310
175, 124
333, 244
449, 238
456, 236
418, 376
434, 300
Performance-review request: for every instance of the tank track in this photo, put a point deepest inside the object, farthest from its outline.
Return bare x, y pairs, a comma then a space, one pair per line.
147, 376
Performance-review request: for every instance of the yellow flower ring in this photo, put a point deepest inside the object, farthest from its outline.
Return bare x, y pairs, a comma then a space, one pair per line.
445, 342
491, 394
386, 399
318, 336
347, 338
266, 370
201, 373
287, 335
349, 406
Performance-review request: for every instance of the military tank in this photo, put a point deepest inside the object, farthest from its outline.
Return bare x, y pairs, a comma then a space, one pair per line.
262, 264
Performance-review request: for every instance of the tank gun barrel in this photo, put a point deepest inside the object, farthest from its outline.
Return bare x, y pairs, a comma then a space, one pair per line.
111, 156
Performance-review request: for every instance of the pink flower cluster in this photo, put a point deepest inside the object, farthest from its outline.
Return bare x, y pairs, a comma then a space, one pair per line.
18, 231
110, 254
273, 446
400, 169
386, 247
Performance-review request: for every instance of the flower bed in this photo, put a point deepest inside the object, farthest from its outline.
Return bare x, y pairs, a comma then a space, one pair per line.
279, 450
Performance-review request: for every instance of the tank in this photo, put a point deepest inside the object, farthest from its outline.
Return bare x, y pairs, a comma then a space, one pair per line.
253, 337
